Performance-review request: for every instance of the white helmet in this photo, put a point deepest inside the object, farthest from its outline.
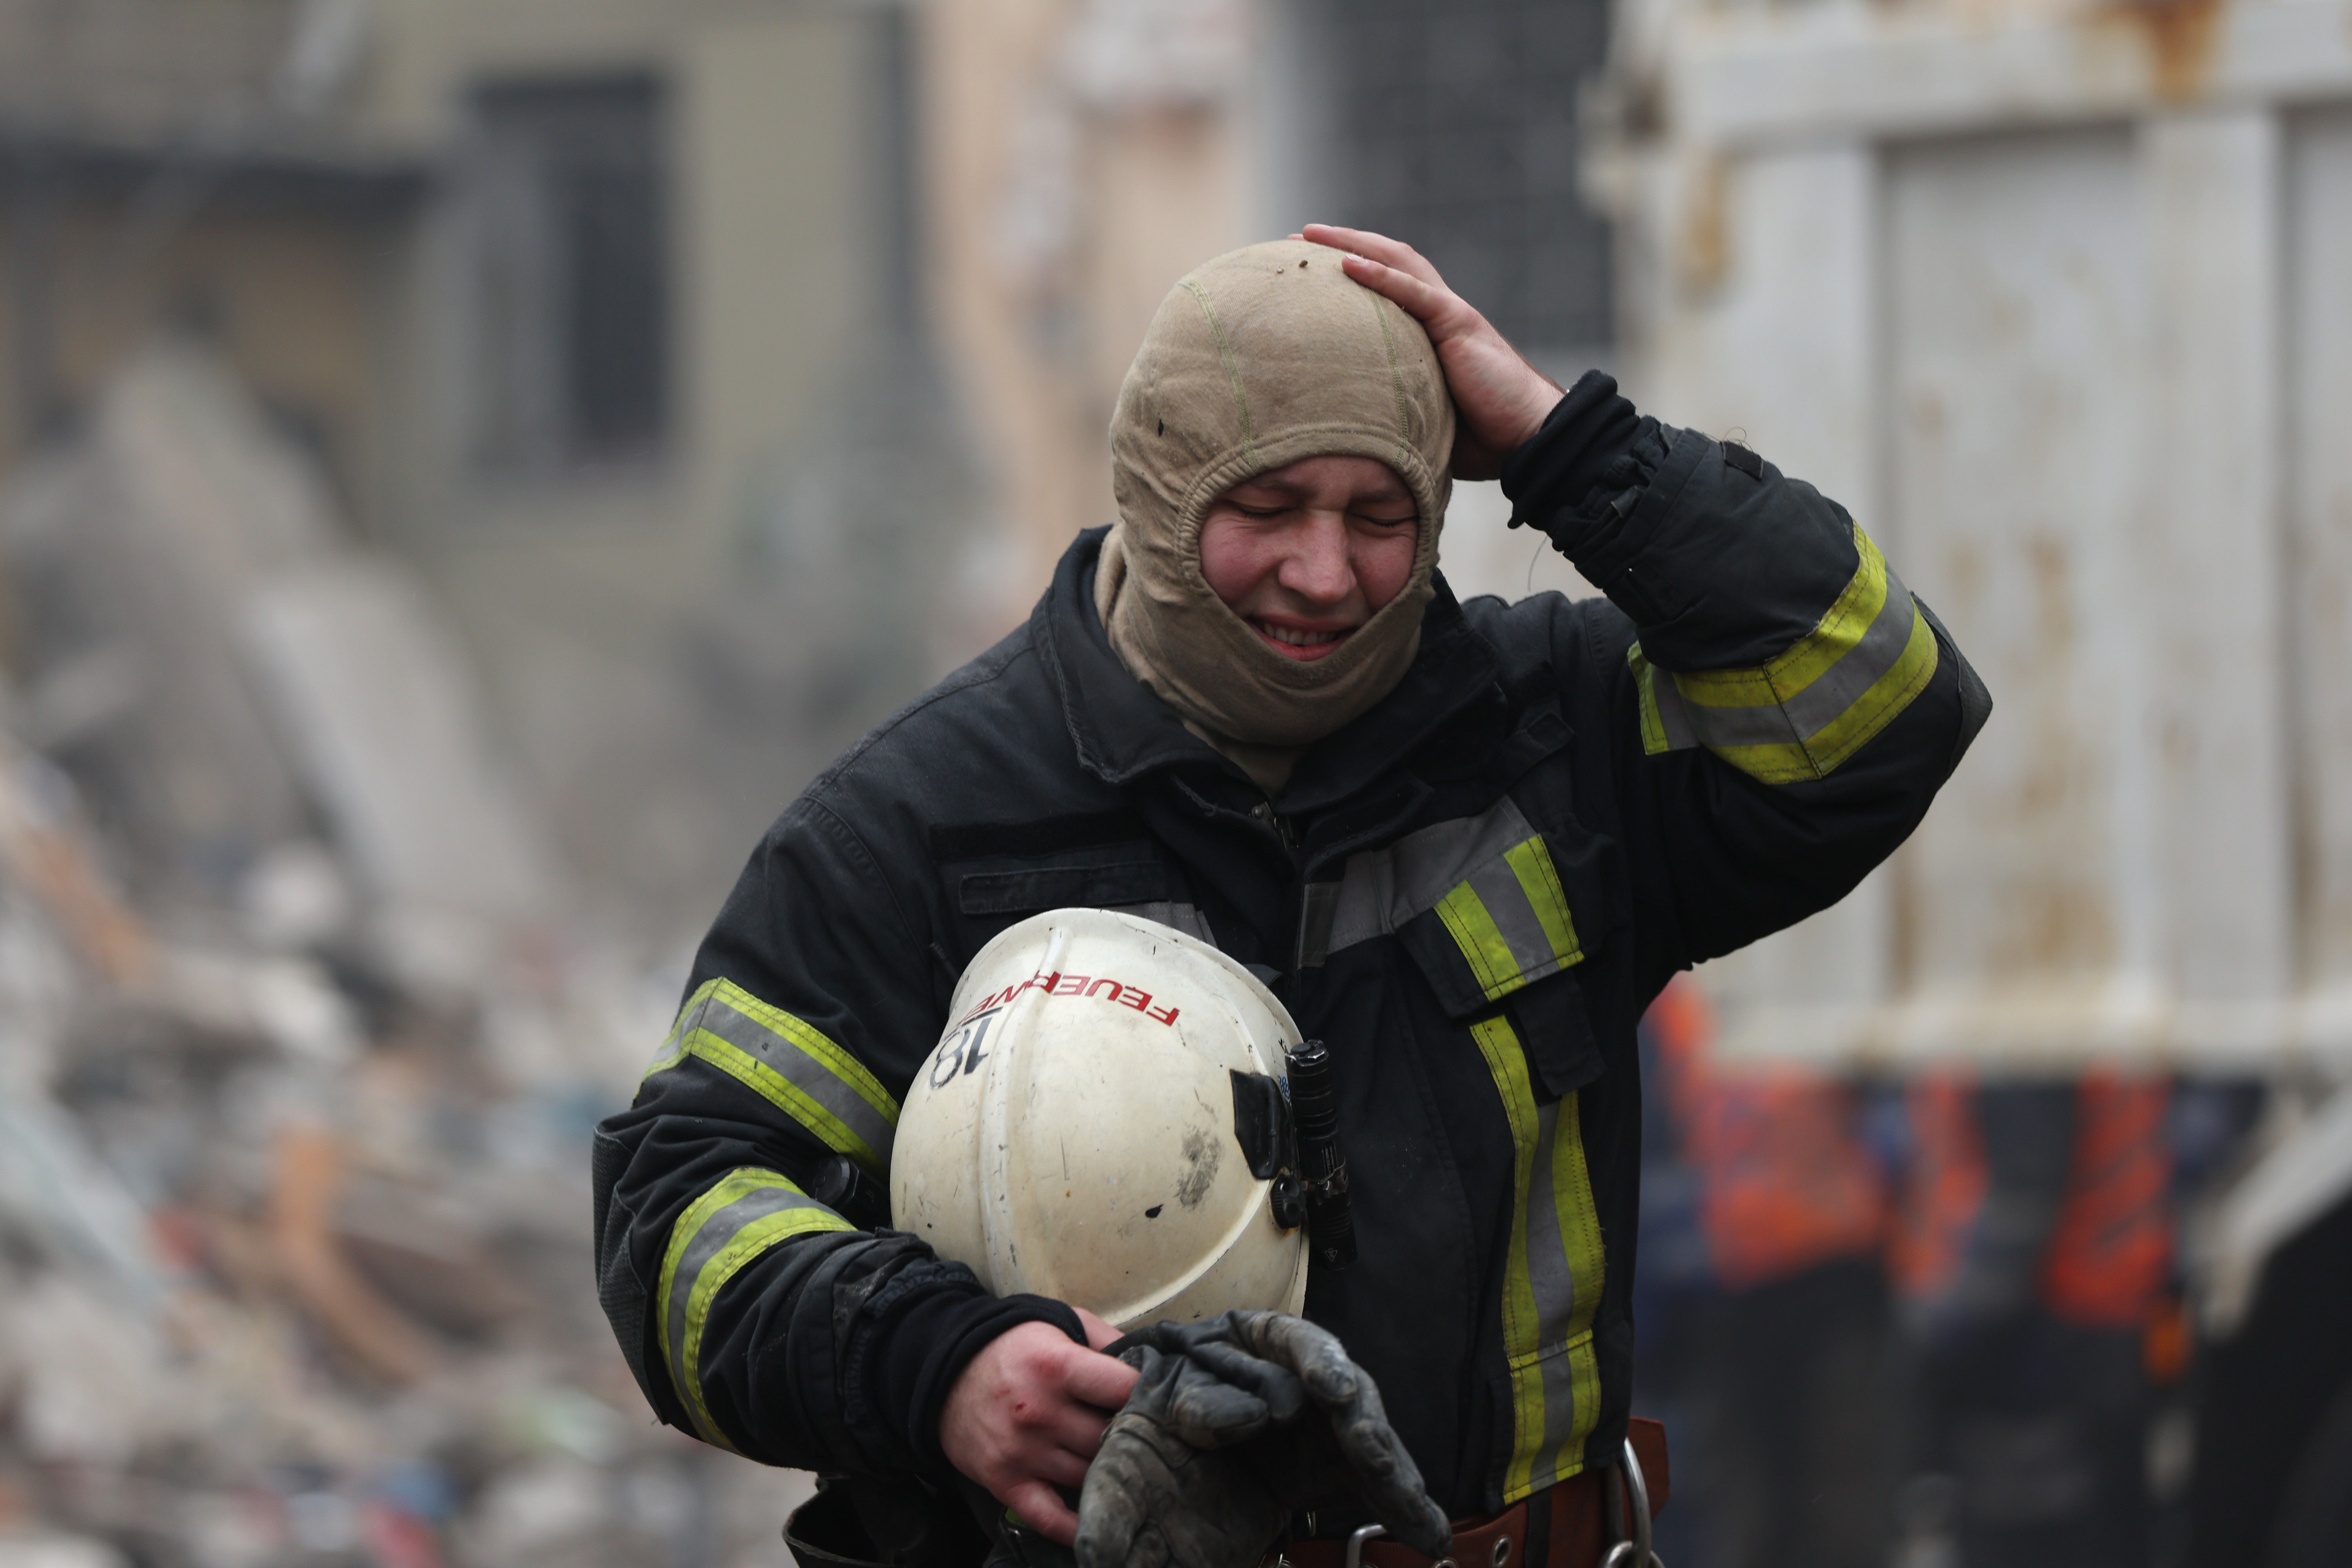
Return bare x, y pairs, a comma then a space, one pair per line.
1102, 1123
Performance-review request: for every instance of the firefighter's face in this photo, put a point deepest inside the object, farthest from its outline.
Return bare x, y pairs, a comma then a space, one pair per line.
1307, 552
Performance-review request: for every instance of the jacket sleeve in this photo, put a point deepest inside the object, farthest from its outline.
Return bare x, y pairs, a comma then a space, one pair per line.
1783, 708
755, 1309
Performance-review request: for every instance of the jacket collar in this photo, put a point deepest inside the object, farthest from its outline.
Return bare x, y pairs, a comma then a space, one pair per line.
1123, 731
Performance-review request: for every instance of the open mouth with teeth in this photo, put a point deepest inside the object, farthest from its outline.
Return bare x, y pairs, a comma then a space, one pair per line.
1297, 642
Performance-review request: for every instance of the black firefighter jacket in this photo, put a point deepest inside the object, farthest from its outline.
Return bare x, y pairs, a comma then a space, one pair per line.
1470, 893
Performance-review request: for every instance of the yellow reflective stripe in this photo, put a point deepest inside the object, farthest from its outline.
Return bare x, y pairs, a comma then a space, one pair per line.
1808, 658
1482, 944
843, 1066
1530, 861
792, 1065
1579, 1229
1851, 730
1653, 728
746, 1212
673, 1049
1803, 714
1510, 919
785, 1096
1500, 1045
1552, 1276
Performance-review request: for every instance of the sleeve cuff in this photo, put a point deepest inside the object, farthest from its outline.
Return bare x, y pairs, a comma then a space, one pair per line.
925, 1339
1561, 478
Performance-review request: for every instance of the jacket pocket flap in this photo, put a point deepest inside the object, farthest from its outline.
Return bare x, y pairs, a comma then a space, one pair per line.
1562, 1050
1063, 887
1507, 924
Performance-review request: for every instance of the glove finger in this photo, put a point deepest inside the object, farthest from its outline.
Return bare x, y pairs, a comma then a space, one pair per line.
1312, 1353
1395, 1495
1208, 1414
1227, 1327
1124, 1487
1158, 1375
1386, 1475
1105, 1536
1420, 1524
1150, 1550
1376, 1459
1275, 1385
1165, 1336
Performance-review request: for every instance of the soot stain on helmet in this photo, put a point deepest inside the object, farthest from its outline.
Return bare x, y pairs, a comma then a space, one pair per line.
1203, 1154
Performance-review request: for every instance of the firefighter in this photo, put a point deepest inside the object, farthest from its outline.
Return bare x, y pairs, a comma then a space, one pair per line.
2035, 1259
1463, 844
1789, 1366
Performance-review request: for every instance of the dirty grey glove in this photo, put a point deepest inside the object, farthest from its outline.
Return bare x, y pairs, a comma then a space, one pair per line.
1236, 1423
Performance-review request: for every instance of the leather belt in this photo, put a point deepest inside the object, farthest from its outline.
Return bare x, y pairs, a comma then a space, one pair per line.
1575, 1524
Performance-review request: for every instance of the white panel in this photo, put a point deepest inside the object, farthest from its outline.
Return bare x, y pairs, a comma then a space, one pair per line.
1777, 348
2205, 547
2015, 304
2319, 338
2099, 347
1774, 343
1759, 74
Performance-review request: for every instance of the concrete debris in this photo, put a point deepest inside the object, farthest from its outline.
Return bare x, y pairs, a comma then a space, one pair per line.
380, 725
296, 1064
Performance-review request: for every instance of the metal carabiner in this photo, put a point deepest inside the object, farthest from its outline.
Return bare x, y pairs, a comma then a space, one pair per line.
1356, 1548
1635, 1552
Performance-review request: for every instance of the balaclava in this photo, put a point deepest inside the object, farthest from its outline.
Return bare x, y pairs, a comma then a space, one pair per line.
1260, 357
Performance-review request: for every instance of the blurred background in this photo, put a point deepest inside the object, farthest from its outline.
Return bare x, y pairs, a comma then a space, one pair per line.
466, 464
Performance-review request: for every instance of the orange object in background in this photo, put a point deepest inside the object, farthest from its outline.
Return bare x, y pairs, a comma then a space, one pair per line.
1785, 1182
2110, 1254
2107, 1260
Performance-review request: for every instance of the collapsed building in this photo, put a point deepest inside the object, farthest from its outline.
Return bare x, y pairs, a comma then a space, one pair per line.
297, 1055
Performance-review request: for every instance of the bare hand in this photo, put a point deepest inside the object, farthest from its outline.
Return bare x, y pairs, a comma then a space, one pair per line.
1028, 1414
1500, 398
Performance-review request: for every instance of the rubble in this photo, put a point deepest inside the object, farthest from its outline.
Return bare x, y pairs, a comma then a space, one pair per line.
298, 1057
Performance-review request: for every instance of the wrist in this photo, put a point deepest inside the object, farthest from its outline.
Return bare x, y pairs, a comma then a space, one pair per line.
1541, 397
927, 1351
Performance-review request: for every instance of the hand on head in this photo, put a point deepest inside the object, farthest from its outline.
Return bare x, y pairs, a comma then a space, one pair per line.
1028, 1414
1501, 398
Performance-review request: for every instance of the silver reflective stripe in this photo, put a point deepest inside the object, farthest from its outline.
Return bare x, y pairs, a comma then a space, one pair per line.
1814, 704
1843, 684
707, 1240
1674, 717
1552, 1276
1179, 917
810, 1076
1384, 889
1564, 1304
1804, 714
1497, 888
1547, 1269
746, 1212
